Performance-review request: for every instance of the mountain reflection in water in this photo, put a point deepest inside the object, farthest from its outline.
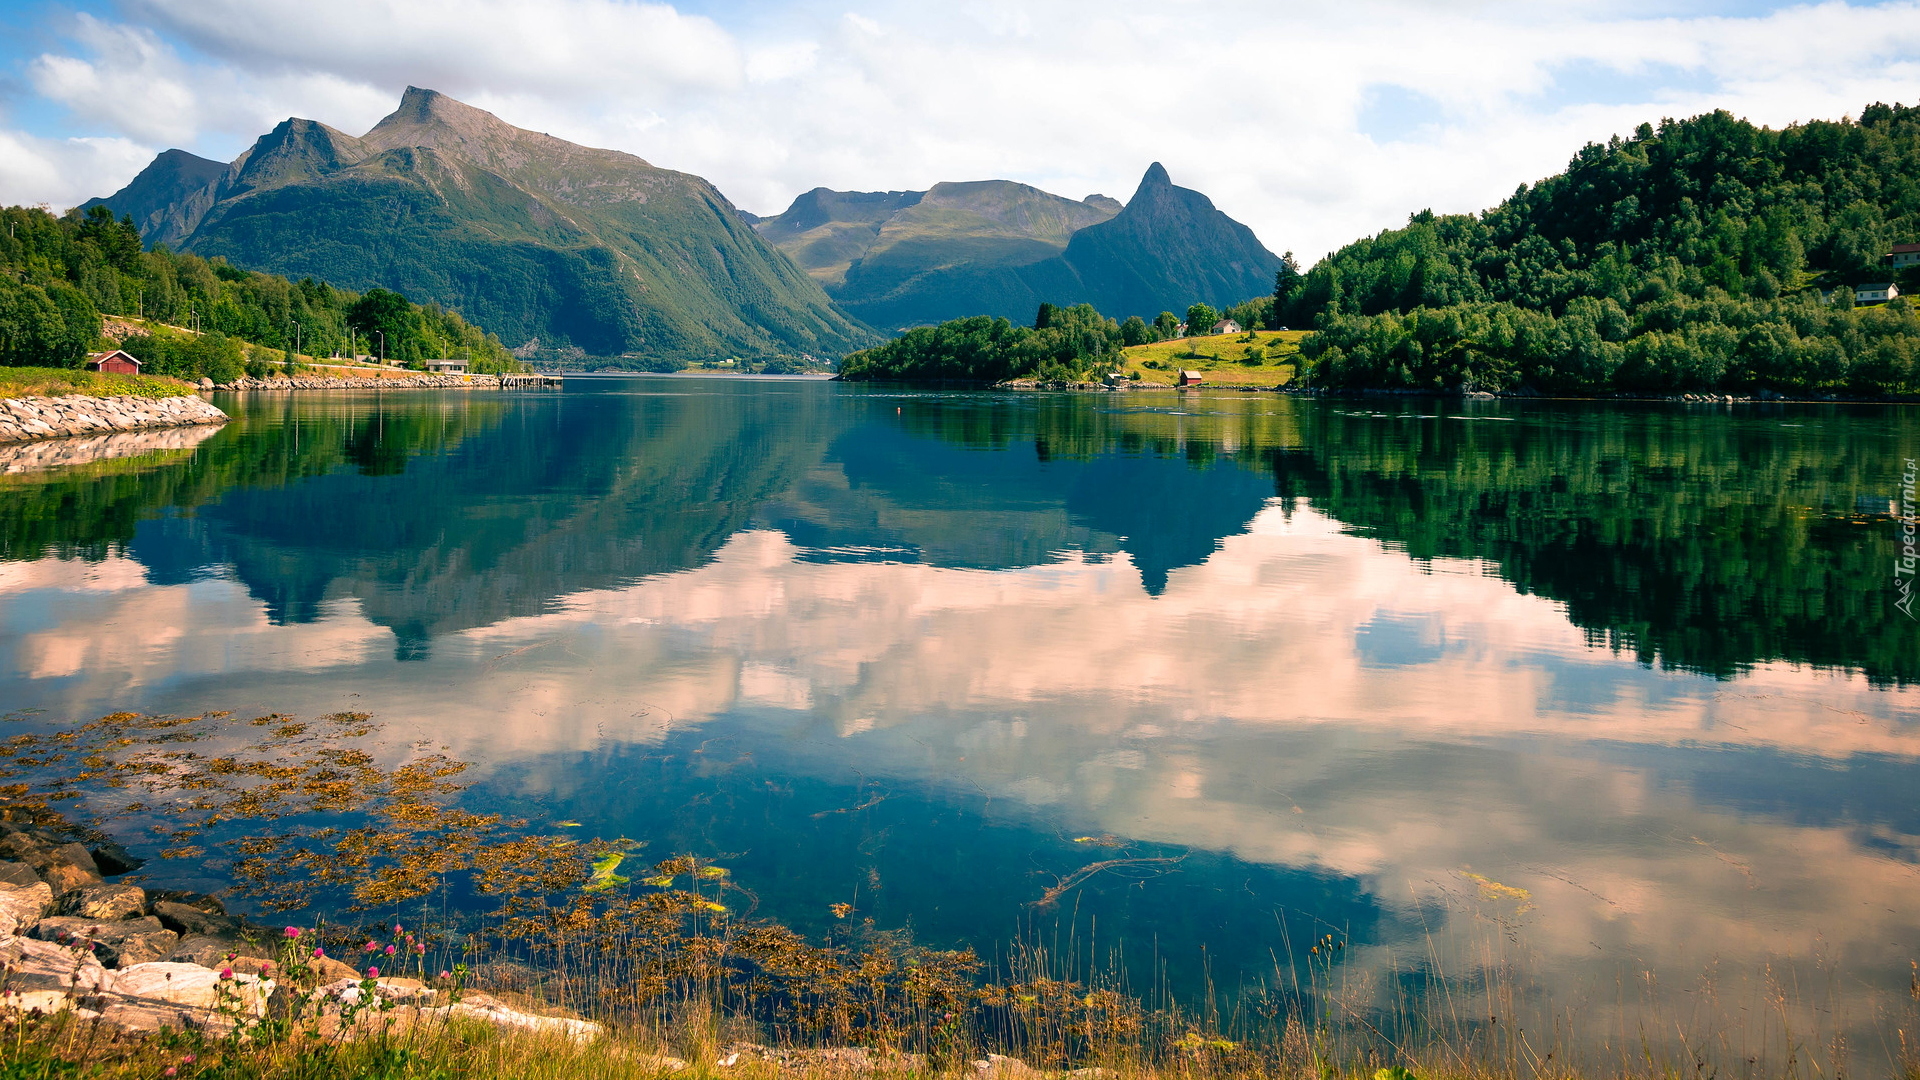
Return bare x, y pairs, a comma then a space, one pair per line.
932, 653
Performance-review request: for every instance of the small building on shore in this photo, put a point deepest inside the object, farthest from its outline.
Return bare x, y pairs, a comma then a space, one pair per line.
447, 367
1188, 378
113, 361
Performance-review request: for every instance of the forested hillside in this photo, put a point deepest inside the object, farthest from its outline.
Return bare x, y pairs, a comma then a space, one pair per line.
1698, 256
1064, 343
62, 274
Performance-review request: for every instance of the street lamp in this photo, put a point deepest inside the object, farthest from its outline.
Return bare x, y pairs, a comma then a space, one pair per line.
383, 345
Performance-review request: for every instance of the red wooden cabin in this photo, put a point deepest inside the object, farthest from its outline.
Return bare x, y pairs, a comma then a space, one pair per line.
114, 361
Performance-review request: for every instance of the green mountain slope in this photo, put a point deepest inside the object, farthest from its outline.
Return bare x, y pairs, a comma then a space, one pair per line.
530, 236
905, 258
168, 197
1704, 255
1169, 248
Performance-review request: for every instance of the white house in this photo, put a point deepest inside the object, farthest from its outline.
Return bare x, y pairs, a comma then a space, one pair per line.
1904, 255
1876, 292
447, 367
1226, 326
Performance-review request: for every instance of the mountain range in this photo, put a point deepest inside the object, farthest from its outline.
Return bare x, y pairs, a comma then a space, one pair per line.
529, 236
545, 242
993, 247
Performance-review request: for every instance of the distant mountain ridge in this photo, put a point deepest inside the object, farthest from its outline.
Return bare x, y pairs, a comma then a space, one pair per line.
528, 235
903, 258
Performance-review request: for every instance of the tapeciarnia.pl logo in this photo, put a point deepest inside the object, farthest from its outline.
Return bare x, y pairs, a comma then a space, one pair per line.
1904, 566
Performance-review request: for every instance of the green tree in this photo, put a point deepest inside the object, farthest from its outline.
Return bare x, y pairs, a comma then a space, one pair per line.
384, 319
1286, 281
1135, 331
1200, 319
1166, 325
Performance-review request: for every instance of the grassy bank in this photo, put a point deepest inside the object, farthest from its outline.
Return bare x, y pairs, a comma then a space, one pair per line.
1256, 358
20, 382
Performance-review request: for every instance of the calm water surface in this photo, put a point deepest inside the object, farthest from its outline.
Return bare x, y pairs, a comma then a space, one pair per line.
1605, 705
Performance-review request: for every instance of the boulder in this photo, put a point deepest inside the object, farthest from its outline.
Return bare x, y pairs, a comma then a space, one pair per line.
106, 903
191, 921
137, 1017
42, 965
113, 860
217, 951
64, 866
17, 873
44, 1002
24, 905
487, 1010
998, 1067
194, 986
117, 944
197, 901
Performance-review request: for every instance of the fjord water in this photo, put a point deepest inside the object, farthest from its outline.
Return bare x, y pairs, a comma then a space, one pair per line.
1598, 708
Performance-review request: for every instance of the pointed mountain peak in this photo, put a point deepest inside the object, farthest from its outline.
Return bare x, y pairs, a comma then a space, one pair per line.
431, 118
1156, 177
422, 106
295, 150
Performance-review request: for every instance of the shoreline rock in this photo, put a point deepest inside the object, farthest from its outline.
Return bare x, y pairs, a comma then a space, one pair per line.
407, 382
32, 419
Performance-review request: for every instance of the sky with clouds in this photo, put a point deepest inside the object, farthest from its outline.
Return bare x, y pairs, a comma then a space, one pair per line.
1312, 123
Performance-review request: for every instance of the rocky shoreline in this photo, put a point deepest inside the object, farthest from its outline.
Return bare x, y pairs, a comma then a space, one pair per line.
137, 961
407, 382
31, 419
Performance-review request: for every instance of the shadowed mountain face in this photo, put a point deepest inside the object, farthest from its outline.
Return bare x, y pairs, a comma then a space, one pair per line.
168, 197
527, 235
905, 258
1169, 248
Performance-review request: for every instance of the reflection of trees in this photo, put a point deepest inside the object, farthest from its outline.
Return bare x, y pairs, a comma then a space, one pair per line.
85, 511
1703, 542
1706, 542
1698, 542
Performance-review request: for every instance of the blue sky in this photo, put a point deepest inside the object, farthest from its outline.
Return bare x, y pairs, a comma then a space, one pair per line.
1313, 123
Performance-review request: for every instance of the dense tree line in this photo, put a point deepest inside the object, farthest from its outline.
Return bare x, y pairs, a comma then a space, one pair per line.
1064, 344
61, 274
1698, 256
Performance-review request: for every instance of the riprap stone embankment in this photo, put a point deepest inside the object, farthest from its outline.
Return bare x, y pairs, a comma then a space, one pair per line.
421, 382
28, 419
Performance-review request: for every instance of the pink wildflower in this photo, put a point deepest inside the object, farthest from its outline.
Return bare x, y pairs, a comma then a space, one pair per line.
419, 949
187, 1060
293, 931
226, 973
396, 928
373, 973
446, 974
170, 1071
318, 953
389, 950
369, 947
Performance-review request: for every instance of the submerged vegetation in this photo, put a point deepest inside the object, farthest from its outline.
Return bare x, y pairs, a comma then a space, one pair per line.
324, 818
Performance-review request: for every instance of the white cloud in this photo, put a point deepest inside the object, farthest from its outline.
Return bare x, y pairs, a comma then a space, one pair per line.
64, 172
1265, 112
